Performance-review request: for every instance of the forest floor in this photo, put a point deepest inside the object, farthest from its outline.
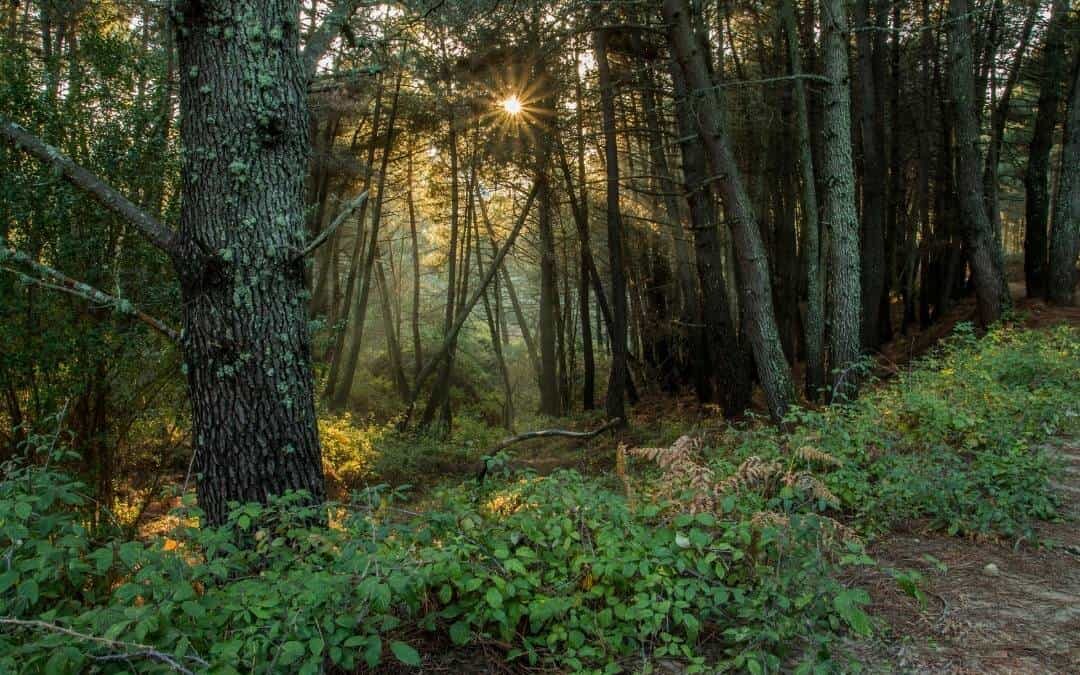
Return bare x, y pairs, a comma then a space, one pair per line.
985, 606
988, 606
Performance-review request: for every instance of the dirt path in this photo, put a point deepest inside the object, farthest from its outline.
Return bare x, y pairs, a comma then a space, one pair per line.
990, 607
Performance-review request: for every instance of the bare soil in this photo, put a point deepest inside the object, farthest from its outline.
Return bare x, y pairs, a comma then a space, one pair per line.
990, 607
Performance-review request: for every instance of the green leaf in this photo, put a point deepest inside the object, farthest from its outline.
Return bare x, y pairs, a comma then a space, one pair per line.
28, 590
405, 653
847, 604
494, 598
23, 510
460, 633
316, 645
8, 579
373, 653
290, 652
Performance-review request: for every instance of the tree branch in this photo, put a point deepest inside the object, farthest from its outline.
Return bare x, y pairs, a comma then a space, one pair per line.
140, 650
323, 236
153, 229
545, 433
321, 37
66, 284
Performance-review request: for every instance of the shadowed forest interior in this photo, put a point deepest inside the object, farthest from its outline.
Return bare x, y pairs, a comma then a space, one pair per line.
521, 336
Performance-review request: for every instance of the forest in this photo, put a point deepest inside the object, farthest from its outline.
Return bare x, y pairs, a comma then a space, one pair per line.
523, 336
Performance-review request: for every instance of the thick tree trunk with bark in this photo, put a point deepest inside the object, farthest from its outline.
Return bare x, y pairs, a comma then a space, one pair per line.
978, 232
245, 340
840, 216
772, 368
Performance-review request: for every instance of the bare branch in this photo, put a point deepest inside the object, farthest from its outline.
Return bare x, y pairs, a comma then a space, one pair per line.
128, 650
323, 236
66, 284
321, 37
546, 433
154, 230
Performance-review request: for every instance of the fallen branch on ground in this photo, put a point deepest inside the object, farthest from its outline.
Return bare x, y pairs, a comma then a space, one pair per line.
543, 433
127, 650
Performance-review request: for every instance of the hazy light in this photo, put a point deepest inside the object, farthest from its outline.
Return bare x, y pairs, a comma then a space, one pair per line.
512, 105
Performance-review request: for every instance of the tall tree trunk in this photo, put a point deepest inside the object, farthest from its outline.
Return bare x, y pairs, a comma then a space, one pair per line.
872, 268
727, 358
1037, 205
840, 213
418, 352
549, 384
772, 368
616, 391
1065, 234
814, 333
978, 234
245, 339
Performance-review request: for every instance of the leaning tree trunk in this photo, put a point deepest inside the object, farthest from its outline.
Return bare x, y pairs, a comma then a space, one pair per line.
840, 215
1065, 235
245, 339
978, 232
772, 368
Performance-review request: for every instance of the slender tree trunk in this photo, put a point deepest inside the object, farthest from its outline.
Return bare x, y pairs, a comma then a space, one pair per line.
1065, 234
418, 352
355, 331
549, 385
872, 268
815, 292
772, 369
840, 217
1037, 205
616, 391
978, 234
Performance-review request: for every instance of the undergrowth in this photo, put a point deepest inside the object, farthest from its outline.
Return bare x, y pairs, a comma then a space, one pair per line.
723, 558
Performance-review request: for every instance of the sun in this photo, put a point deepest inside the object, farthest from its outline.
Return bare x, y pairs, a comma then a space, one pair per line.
512, 105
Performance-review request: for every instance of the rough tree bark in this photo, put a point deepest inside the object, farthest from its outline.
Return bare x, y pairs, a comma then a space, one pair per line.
840, 216
978, 232
772, 368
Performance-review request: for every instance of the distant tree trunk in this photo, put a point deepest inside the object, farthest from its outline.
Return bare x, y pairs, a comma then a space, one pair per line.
1000, 115
872, 240
393, 348
355, 331
815, 288
978, 234
418, 352
1037, 205
840, 213
496, 342
346, 310
772, 368
616, 391
1065, 235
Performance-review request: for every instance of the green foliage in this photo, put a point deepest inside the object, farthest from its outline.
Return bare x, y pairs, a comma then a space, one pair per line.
954, 442
560, 571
